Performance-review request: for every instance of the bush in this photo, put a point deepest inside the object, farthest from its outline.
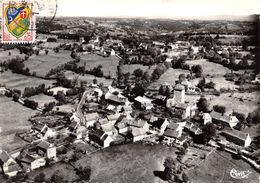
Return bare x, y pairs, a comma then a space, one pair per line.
40, 177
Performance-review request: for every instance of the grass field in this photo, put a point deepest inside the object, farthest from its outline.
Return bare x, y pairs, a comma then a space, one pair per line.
128, 163
170, 76
4, 55
66, 170
88, 78
19, 81
130, 68
42, 63
234, 103
109, 64
209, 68
13, 119
42, 99
216, 168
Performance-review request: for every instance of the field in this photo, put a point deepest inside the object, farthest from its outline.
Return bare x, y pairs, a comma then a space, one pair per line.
130, 68
220, 82
235, 103
4, 55
87, 78
19, 81
66, 170
42, 99
128, 163
42, 63
217, 167
170, 76
13, 119
109, 64
209, 68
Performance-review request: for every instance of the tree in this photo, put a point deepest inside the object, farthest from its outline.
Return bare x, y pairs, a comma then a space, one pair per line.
84, 173
219, 108
40, 177
48, 107
210, 85
46, 52
201, 84
95, 81
138, 73
57, 177
209, 131
169, 168
185, 177
138, 90
203, 105
60, 96
197, 69
182, 78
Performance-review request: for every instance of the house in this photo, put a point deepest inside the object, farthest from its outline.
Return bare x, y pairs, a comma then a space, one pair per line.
75, 118
43, 131
3, 90
100, 137
108, 128
174, 135
139, 123
237, 137
143, 103
126, 109
113, 118
8, 164
115, 99
184, 110
223, 119
32, 161
179, 93
73, 125
91, 118
55, 90
137, 134
46, 149
161, 124
206, 118
108, 51
121, 125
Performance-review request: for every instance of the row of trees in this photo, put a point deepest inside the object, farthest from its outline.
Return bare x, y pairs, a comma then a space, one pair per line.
31, 91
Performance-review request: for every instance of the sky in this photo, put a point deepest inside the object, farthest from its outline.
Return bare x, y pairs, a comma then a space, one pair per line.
157, 8
147, 8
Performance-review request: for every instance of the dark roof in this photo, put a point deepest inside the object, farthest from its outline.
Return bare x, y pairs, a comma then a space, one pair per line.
13, 167
158, 123
235, 133
44, 145
4, 157
73, 124
137, 123
97, 132
171, 133
38, 126
181, 105
219, 116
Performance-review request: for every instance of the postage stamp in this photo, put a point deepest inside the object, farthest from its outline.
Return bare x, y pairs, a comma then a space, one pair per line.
18, 22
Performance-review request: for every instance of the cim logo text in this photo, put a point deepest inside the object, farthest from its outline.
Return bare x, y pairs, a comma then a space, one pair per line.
237, 174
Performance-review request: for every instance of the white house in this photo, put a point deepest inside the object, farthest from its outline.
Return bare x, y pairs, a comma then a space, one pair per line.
223, 119
8, 164
46, 149
32, 162
91, 118
100, 137
206, 118
138, 134
143, 103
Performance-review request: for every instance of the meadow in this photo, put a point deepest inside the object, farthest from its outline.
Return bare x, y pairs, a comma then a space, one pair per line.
18, 81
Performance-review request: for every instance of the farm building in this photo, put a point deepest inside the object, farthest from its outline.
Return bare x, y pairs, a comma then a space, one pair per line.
237, 137
100, 137
223, 119
46, 149
8, 164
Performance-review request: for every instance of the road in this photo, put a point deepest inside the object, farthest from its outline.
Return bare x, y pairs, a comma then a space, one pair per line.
80, 104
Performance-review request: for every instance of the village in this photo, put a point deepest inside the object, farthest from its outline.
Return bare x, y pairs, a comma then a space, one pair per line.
114, 108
